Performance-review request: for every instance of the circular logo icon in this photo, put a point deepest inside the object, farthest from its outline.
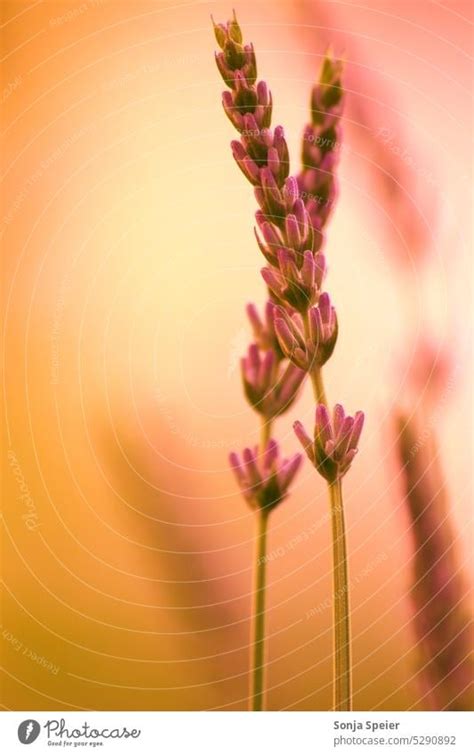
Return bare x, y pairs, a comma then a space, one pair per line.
28, 731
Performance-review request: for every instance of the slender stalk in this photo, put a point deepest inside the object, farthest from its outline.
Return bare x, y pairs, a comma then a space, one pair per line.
318, 386
265, 433
342, 648
258, 673
342, 637
258, 630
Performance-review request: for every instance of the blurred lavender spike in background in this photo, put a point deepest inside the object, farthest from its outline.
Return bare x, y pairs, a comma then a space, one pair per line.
321, 142
442, 618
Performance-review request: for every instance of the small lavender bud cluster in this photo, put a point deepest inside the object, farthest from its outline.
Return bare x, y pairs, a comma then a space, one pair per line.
298, 288
271, 385
335, 441
270, 390
264, 478
311, 348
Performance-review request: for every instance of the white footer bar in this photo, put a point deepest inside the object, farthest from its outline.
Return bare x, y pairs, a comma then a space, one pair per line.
236, 733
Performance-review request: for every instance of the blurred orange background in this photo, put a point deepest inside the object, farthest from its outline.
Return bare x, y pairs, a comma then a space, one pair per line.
129, 258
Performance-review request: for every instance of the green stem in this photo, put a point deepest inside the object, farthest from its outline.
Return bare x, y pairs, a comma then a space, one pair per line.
342, 649
318, 386
342, 637
257, 691
265, 432
258, 676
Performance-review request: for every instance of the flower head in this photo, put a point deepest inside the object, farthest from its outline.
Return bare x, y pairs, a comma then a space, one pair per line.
297, 287
235, 57
296, 235
264, 477
335, 441
269, 386
313, 348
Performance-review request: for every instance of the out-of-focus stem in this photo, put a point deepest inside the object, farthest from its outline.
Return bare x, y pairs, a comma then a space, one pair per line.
258, 673
342, 651
442, 612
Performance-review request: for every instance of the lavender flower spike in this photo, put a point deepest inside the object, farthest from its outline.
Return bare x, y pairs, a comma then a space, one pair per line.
335, 441
264, 478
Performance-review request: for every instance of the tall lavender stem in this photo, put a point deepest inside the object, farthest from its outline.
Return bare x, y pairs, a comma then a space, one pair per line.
290, 235
270, 381
312, 344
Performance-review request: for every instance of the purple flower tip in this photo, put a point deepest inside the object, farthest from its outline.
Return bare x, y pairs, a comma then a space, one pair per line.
264, 477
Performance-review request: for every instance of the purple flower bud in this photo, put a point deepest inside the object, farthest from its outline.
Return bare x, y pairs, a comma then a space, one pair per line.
264, 479
310, 348
269, 386
272, 240
304, 439
264, 330
270, 198
292, 232
231, 111
290, 334
245, 163
335, 441
297, 287
263, 111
